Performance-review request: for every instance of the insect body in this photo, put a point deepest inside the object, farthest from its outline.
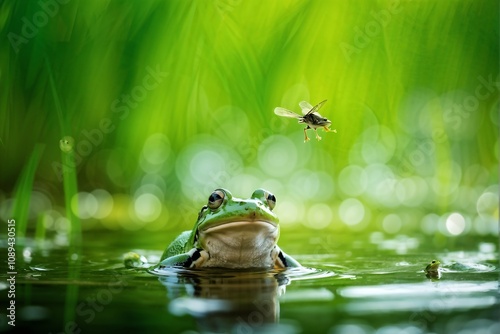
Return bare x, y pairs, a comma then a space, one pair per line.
310, 117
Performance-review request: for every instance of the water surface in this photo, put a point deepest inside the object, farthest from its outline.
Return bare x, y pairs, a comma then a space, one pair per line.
374, 284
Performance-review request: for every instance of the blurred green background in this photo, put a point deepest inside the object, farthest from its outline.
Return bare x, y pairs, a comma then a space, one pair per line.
160, 102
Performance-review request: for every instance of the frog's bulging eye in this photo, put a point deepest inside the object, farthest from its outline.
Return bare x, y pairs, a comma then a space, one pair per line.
215, 200
271, 200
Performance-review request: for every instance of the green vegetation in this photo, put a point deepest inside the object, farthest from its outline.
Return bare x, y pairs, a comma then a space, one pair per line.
70, 192
170, 99
68, 169
22, 194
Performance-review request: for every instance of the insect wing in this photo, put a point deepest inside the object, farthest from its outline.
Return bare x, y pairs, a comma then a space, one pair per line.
285, 113
305, 106
315, 109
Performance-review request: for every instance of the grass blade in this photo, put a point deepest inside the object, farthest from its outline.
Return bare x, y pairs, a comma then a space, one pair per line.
22, 194
70, 185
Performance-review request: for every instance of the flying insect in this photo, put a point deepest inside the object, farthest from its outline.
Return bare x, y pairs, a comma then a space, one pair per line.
311, 118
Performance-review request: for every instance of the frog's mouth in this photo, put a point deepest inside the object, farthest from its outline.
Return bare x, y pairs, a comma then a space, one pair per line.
244, 224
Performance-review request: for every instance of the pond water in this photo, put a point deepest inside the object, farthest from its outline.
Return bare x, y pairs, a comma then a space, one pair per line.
373, 284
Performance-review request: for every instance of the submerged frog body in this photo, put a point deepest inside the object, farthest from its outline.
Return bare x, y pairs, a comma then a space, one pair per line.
231, 233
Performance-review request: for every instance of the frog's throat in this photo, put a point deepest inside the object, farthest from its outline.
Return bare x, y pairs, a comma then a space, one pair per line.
240, 244
230, 224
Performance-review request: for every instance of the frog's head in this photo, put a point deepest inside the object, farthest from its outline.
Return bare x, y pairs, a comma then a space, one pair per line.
433, 266
227, 222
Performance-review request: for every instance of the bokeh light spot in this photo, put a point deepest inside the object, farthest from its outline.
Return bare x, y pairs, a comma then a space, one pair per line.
244, 183
289, 211
319, 216
351, 211
306, 183
150, 188
487, 205
455, 224
392, 223
105, 203
378, 144
353, 180
277, 156
205, 164
147, 207
84, 205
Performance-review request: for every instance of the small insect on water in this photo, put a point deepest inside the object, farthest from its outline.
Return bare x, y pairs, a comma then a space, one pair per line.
311, 117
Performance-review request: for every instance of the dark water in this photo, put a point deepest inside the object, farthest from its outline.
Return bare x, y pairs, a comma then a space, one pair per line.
369, 285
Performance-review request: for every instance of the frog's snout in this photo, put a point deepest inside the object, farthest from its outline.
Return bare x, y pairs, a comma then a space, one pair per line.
253, 210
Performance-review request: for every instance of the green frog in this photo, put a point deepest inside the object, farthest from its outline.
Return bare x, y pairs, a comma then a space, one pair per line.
432, 269
231, 233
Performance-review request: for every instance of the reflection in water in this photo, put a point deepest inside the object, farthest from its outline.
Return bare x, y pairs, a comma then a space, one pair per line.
241, 301
222, 301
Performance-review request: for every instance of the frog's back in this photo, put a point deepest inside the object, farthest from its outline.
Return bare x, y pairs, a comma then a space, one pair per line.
178, 246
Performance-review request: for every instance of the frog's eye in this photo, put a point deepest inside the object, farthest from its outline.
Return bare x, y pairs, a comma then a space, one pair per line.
271, 200
215, 200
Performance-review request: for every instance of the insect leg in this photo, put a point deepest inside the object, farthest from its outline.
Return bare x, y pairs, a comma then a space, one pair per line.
317, 136
306, 138
327, 129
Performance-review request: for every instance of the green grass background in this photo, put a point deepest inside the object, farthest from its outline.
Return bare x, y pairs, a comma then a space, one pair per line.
401, 79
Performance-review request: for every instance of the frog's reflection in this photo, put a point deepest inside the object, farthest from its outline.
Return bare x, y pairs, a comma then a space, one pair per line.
240, 301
